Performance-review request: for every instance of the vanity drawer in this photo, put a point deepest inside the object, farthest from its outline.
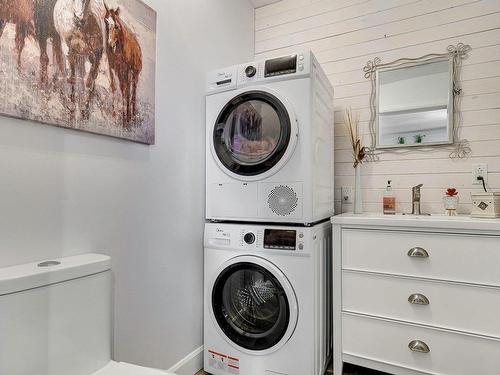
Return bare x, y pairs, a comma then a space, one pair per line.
454, 257
450, 305
388, 342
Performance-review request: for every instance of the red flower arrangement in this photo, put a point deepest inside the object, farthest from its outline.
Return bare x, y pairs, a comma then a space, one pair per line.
451, 192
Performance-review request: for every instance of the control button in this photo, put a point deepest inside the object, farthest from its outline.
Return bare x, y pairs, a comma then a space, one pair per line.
249, 238
250, 71
301, 246
301, 57
301, 235
301, 67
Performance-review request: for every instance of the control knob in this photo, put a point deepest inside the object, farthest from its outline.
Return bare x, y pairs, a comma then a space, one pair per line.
249, 238
250, 71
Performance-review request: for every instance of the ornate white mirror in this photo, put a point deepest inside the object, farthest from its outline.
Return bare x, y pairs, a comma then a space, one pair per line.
415, 104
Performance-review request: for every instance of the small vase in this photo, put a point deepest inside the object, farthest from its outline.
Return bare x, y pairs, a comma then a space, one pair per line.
358, 197
451, 204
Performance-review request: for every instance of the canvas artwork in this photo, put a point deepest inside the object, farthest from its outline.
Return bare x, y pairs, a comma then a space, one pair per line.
81, 64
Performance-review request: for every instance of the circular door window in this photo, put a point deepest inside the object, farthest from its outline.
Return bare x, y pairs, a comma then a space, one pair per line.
251, 306
252, 133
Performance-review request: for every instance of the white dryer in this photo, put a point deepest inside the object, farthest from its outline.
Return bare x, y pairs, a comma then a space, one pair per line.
267, 304
269, 148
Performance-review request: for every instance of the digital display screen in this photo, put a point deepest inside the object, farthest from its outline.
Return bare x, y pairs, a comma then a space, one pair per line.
280, 239
281, 65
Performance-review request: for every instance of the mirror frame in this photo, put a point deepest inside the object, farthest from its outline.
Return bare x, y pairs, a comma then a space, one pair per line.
459, 148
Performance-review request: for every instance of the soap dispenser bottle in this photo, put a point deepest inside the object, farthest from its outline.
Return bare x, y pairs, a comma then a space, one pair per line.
389, 200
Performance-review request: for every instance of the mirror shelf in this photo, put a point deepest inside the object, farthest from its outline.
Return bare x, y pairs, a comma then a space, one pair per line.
415, 104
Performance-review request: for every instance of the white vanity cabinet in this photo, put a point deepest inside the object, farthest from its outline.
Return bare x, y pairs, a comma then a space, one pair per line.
417, 295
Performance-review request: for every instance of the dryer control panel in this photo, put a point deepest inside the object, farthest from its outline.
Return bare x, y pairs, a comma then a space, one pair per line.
275, 69
258, 237
297, 65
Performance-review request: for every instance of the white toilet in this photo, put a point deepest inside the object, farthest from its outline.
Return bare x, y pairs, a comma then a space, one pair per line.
55, 319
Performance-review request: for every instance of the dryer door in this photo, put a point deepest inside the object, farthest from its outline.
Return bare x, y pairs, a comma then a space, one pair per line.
254, 305
254, 135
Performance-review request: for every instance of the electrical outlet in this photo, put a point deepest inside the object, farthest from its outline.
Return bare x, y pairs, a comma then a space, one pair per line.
479, 170
347, 194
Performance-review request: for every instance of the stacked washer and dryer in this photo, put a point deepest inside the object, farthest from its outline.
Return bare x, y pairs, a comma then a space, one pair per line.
269, 186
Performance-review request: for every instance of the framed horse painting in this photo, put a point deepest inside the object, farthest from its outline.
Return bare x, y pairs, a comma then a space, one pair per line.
81, 64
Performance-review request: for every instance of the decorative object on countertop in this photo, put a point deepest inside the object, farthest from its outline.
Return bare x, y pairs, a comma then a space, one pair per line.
450, 201
358, 153
389, 200
486, 205
428, 98
358, 194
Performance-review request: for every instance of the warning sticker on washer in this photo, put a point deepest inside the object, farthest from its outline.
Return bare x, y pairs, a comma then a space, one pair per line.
223, 362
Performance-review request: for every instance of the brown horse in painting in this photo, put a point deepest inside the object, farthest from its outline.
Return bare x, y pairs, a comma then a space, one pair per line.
125, 60
78, 23
33, 18
21, 14
45, 30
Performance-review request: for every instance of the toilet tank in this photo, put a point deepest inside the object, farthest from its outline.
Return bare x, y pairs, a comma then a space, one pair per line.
55, 319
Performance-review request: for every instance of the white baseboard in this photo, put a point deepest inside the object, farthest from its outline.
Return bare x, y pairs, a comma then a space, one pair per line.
190, 364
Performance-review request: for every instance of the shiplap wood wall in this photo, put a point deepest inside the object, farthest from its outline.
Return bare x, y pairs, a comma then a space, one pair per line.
345, 34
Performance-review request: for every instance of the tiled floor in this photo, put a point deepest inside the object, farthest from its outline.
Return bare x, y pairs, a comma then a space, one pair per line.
348, 370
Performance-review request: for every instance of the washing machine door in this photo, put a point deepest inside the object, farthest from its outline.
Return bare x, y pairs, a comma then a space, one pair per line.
254, 135
254, 305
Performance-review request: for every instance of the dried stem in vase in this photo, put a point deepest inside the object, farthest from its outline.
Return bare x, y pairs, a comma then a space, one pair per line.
358, 150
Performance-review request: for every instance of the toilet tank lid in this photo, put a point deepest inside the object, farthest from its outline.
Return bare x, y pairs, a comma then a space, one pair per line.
34, 275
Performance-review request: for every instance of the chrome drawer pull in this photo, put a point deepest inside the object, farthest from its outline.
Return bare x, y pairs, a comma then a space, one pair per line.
418, 299
418, 252
418, 346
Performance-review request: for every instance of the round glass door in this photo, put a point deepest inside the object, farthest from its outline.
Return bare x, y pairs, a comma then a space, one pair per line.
251, 306
252, 133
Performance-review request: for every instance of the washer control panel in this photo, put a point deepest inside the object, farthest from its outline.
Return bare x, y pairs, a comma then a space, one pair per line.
264, 238
269, 238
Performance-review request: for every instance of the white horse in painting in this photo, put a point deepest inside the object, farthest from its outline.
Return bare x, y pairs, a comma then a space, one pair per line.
80, 24
68, 13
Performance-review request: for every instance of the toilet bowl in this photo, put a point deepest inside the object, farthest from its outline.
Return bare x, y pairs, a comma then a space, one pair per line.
55, 319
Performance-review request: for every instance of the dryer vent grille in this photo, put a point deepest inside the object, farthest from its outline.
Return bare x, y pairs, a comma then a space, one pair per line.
283, 200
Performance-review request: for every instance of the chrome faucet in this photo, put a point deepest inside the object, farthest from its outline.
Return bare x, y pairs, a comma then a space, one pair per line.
415, 199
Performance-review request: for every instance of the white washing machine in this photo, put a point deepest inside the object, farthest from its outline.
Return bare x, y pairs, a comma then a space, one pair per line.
267, 299
269, 149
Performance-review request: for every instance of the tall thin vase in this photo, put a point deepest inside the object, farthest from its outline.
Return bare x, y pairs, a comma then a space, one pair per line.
358, 196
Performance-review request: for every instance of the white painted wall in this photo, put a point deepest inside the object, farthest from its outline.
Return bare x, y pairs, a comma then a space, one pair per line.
63, 192
345, 34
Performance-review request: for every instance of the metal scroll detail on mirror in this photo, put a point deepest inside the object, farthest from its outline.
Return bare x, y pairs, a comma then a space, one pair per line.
459, 148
